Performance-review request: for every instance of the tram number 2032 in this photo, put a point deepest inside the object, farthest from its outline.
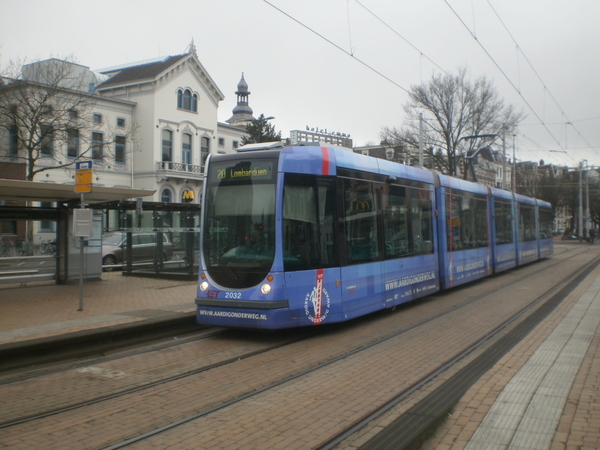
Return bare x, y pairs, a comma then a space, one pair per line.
237, 295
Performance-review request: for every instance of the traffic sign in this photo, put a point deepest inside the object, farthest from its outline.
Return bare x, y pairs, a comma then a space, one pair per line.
83, 176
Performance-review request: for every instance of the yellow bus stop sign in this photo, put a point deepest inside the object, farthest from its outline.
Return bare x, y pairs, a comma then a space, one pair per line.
83, 177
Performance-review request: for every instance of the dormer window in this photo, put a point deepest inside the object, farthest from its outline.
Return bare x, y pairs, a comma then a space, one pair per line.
187, 100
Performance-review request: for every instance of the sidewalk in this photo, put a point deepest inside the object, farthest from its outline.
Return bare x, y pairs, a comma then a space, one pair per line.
52, 310
544, 393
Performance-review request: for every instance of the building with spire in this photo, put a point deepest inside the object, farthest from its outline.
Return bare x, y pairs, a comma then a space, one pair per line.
242, 113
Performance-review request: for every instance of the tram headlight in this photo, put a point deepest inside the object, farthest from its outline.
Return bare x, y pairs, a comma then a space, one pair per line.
204, 286
265, 288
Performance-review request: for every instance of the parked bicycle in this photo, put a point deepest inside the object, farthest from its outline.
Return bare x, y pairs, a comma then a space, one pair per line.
6, 248
48, 247
24, 248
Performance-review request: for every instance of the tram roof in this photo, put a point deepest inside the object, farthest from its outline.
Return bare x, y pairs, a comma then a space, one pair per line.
18, 190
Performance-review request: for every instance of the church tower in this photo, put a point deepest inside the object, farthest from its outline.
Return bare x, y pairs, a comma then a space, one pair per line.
242, 113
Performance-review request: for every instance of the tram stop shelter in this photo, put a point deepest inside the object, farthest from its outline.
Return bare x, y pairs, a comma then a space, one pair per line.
15, 196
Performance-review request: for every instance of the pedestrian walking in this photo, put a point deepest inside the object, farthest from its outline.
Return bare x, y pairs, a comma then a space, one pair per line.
592, 235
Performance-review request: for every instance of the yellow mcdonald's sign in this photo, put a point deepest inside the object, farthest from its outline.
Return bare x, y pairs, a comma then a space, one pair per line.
364, 205
188, 195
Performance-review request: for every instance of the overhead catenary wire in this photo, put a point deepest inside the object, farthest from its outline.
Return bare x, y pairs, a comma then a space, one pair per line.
520, 50
423, 55
338, 47
503, 73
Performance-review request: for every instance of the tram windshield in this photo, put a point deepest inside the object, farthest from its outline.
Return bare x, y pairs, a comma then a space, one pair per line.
239, 221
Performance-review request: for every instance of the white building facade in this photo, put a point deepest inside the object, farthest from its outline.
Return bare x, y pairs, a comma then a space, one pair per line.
153, 125
176, 116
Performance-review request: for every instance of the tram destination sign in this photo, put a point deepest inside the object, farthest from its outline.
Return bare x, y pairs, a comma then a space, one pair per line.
260, 170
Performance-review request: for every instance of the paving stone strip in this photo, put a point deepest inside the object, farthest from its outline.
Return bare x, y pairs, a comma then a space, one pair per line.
526, 413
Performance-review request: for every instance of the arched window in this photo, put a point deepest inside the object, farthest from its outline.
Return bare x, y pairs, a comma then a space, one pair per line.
204, 150
186, 151
167, 149
180, 99
187, 100
166, 195
167, 145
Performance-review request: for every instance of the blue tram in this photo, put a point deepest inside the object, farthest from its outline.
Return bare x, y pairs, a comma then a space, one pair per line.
301, 236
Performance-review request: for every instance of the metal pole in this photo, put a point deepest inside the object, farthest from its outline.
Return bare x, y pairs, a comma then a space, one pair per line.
504, 183
514, 166
82, 206
587, 203
421, 137
579, 231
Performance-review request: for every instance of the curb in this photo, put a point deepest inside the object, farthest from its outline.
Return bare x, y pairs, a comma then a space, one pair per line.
84, 343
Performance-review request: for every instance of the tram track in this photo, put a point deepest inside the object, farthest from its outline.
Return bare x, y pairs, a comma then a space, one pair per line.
334, 441
145, 386
407, 429
124, 353
98, 362
295, 376
41, 372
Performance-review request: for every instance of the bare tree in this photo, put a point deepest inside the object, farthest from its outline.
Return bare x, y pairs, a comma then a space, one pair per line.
456, 109
47, 116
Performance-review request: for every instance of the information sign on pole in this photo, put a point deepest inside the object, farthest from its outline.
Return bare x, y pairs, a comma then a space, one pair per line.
83, 176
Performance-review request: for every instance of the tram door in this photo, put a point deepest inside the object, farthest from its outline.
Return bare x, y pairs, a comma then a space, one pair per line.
362, 276
310, 256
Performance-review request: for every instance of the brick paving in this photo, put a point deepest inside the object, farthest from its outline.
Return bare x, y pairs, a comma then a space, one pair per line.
540, 395
43, 309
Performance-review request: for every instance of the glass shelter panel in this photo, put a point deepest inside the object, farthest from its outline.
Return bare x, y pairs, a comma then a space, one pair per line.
159, 241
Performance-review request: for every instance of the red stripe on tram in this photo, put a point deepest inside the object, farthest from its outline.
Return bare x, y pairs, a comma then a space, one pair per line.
325, 168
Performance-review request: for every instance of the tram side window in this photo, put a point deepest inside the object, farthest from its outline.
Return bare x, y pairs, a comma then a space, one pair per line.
395, 221
308, 223
546, 220
504, 223
361, 221
466, 221
527, 231
421, 222
481, 223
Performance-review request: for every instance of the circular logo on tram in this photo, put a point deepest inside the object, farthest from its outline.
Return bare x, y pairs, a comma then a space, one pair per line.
320, 302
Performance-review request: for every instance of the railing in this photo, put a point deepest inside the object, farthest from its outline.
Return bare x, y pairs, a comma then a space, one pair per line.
27, 269
181, 168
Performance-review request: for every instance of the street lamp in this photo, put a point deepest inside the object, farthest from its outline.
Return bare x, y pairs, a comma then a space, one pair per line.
475, 136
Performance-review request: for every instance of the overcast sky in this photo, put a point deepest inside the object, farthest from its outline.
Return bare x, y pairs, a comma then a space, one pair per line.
351, 72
